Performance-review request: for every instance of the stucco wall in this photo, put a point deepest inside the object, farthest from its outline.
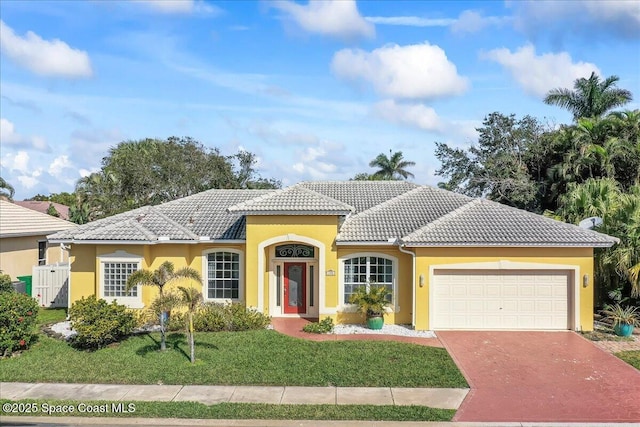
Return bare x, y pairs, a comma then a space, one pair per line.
18, 255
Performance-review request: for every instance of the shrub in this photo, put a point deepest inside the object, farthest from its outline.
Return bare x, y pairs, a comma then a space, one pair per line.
18, 314
322, 327
99, 323
177, 322
216, 317
5, 283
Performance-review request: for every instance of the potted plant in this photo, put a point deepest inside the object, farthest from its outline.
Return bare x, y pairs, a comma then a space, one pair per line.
623, 318
372, 302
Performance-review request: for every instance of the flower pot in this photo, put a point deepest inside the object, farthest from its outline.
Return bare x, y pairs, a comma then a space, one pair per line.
375, 322
623, 329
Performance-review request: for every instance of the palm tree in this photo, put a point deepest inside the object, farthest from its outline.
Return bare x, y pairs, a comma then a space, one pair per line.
590, 97
6, 190
160, 278
191, 298
392, 167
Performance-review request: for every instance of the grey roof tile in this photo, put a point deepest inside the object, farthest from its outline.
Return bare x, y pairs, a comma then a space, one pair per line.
294, 200
400, 215
203, 214
487, 223
362, 195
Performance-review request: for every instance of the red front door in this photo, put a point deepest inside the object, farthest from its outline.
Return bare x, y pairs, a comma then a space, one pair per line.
295, 287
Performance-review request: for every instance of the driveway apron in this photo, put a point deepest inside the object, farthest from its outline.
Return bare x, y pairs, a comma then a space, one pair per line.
543, 377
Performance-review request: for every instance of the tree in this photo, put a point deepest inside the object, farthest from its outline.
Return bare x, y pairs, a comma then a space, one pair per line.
51, 210
6, 190
507, 165
392, 167
363, 176
590, 97
153, 171
159, 278
616, 267
64, 198
191, 298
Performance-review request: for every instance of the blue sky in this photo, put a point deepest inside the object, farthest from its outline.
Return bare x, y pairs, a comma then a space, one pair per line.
315, 90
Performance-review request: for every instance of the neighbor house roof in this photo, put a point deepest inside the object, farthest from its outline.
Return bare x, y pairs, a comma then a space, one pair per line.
43, 207
372, 212
18, 221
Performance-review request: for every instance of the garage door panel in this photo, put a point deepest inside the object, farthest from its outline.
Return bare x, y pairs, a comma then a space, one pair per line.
500, 300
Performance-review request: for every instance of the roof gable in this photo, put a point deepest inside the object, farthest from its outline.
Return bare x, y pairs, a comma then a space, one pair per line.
295, 200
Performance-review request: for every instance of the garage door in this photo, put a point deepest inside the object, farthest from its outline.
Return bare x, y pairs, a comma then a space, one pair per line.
463, 299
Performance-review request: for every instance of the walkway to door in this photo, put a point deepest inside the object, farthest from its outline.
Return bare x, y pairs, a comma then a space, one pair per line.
542, 376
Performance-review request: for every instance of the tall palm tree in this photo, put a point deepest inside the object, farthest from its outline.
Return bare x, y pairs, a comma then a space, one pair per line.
159, 278
191, 299
392, 167
6, 190
590, 97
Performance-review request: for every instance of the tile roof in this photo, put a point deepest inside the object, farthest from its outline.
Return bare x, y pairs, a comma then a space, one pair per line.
20, 221
400, 215
294, 200
201, 215
371, 211
486, 223
362, 195
43, 207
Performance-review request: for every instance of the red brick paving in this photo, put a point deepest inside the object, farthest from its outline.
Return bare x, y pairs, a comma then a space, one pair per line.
292, 326
542, 377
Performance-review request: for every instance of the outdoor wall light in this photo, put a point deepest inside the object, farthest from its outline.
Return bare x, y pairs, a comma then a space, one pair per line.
421, 280
585, 280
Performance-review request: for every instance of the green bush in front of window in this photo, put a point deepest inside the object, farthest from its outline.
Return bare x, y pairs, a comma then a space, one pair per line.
18, 313
216, 317
99, 323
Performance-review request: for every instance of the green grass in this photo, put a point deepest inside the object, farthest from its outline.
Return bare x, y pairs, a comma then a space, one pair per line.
632, 357
51, 315
238, 358
194, 410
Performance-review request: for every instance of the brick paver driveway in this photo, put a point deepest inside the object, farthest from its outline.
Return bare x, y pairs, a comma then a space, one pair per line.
542, 376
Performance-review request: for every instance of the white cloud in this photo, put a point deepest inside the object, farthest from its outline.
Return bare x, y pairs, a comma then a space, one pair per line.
587, 18
46, 58
178, 7
9, 136
415, 115
410, 21
336, 18
59, 163
420, 71
18, 162
471, 21
538, 74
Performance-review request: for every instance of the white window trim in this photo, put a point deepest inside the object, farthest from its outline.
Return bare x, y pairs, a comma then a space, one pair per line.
352, 308
205, 275
118, 257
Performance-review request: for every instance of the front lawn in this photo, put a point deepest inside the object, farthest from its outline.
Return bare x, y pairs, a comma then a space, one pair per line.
238, 358
51, 315
632, 357
237, 411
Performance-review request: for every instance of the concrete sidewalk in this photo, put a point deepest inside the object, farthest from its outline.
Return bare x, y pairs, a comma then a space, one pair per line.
445, 398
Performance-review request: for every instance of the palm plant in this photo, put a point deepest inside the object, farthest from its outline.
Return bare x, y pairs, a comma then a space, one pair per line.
392, 167
159, 278
590, 97
191, 299
6, 190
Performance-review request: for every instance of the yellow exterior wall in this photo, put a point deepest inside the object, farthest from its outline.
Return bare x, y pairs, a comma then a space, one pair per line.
404, 277
18, 255
580, 257
265, 227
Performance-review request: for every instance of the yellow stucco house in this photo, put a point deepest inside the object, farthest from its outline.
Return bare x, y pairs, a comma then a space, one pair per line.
23, 239
449, 261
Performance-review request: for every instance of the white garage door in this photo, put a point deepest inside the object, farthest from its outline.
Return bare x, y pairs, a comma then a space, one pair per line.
463, 299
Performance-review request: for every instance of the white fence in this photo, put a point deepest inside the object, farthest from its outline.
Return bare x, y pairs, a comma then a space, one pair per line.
50, 285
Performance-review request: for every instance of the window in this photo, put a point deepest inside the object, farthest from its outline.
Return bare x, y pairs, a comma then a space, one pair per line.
42, 252
365, 271
223, 275
115, 275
